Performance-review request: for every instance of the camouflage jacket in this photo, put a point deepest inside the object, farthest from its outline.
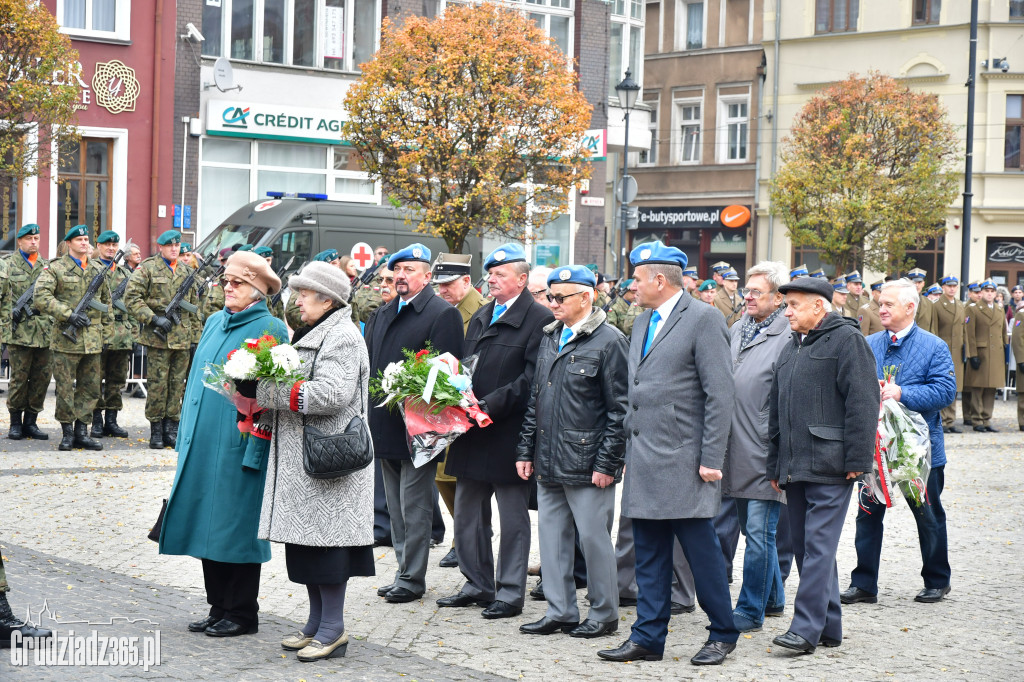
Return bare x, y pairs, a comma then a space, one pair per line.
150, 290
292, 314
59, 289
366, 300
622, 314
276, 309
34, 332
124, 330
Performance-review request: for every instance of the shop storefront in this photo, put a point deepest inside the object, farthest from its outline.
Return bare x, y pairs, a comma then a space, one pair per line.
1004, 260
706, 234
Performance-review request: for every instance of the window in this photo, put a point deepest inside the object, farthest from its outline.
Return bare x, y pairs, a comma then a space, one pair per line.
1014, 123
927, 11
292, 249
626, 47
690, 24
95, 18
733, 128
1016, 10
650, 156
835, 16
688, 127
331, 34
83, 186
556, 26
10, 209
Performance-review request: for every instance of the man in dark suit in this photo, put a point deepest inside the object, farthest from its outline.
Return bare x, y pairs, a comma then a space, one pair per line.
504, 335
414, 318
674, 457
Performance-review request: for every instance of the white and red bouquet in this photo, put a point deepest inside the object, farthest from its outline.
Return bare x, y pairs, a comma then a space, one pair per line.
434, 394
236, 378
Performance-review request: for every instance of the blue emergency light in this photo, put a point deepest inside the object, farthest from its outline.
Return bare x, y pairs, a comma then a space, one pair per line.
308, 196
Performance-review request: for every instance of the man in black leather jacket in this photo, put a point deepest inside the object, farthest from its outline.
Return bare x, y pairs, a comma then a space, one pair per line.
573, 441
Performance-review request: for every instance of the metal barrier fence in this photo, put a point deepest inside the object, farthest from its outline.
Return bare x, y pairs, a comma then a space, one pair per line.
136, 366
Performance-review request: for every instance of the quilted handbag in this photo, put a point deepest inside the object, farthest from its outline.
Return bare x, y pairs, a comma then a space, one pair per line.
336, 455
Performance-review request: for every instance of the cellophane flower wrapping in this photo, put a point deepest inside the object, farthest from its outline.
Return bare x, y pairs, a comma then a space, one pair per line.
903, 456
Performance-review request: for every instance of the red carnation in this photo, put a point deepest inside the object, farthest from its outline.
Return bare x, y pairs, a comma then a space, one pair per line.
253, 345
421, 354
232, 353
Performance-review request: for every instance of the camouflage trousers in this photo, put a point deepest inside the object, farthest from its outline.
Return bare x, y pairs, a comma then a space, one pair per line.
78, 385
4, 587
114, 376
30, 377
165, 383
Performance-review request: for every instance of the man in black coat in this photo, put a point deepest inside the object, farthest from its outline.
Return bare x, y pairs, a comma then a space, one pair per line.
414, 318
505, 335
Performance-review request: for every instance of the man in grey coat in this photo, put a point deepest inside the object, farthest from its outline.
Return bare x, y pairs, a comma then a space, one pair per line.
674, 457
822, 420
757, 341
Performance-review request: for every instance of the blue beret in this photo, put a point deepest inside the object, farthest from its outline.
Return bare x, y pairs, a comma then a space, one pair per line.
949, 279
509, 253
77, 231
416, 252
690, 272
933, 289
26, 230
108, 236
185, 247
326, 256
798, 271
987, 284
169, 237
707, 284
263, 251
572, 274
854, 278
656, 253
974, 286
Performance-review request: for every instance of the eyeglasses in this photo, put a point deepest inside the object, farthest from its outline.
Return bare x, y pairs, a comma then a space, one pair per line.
233, 283
751, 293
538, 293
560, 298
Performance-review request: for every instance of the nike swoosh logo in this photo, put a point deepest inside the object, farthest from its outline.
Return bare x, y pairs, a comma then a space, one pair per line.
730, 218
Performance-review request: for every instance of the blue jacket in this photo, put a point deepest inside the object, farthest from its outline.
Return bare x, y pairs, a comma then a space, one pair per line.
214, 507
925, 375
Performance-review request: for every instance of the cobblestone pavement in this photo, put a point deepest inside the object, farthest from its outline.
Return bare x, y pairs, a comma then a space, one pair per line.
73, 533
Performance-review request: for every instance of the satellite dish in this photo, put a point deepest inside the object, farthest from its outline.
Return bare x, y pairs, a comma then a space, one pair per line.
223, 76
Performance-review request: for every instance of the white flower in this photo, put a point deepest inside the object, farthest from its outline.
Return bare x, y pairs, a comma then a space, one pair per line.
240, 365
285, 357
390, 373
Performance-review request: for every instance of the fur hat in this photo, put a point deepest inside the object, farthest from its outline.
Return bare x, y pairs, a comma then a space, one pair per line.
322, 278
255, 270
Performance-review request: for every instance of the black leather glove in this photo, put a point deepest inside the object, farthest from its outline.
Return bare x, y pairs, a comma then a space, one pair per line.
17, 316
1020, 369
192, 348
975, 363
246, 387
162, 323
79, 320
106, 346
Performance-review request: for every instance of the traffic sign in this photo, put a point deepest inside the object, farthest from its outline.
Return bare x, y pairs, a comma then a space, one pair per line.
627, 186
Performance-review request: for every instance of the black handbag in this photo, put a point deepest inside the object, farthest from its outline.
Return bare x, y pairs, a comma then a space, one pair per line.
336, 455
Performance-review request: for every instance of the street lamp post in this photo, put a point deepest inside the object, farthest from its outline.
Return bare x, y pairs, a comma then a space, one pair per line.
627, 90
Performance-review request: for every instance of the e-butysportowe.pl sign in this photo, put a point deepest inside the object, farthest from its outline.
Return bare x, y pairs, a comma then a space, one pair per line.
692, 217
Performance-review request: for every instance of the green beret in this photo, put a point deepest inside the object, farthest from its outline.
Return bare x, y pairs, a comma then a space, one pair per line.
108, 236
169, 237
76, 231
592, 267
707, 284
263, 251
27, 230
185, 247
245, 247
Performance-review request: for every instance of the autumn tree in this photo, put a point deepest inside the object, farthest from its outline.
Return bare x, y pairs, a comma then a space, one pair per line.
868, 171
473, 120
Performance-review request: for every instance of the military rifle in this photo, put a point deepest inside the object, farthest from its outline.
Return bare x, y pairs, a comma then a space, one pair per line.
23, 309
178, 302
89, 298
611, 299
367, 277
118, 294
280, 274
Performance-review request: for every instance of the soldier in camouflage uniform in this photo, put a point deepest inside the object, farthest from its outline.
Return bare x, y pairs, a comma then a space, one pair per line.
624, 312
76, 362
27, 339
150, 291
117, 344
367, 299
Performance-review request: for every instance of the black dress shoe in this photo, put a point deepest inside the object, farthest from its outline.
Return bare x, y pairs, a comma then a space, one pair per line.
400, 595
225, 628
546, 626
1021, 427
460, 599
629, 651
450, 560
991, 429
932, 595
829, 643
713, 653
11, 625
383, 591
791, 640
953, 429
201, 625
627, 601
678, 608
981, 428
589, 629
538, 592
855, 595
382, 542
501, 609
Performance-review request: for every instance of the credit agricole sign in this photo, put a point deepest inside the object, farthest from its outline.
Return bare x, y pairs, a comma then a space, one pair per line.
273, 122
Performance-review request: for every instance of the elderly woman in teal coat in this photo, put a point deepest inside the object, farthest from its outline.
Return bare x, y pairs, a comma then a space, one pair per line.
213, 511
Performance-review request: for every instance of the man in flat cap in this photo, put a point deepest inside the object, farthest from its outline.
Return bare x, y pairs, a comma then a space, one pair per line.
926, 319
150, 290
78, 337
413, 319
27, 335
951, 315
672, 484
504, 335
118, 342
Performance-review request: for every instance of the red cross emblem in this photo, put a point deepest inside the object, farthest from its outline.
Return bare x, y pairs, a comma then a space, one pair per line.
362, 256
269, 203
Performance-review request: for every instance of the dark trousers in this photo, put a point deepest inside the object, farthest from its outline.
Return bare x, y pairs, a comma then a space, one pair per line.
931, 531
653, 540
232, 591
816, 514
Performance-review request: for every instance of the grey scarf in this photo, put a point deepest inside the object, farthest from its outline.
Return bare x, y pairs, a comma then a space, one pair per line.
751, 328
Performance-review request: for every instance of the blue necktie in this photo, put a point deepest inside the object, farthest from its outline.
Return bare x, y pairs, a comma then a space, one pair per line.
401, 304
566, 335
651, 329
499, 308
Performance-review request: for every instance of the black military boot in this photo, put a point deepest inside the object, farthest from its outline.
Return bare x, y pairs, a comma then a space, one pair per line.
9, 624
15, 432
111, 427
82, 439
97, 424
170, 432
67, 441
156, 435
31, 430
